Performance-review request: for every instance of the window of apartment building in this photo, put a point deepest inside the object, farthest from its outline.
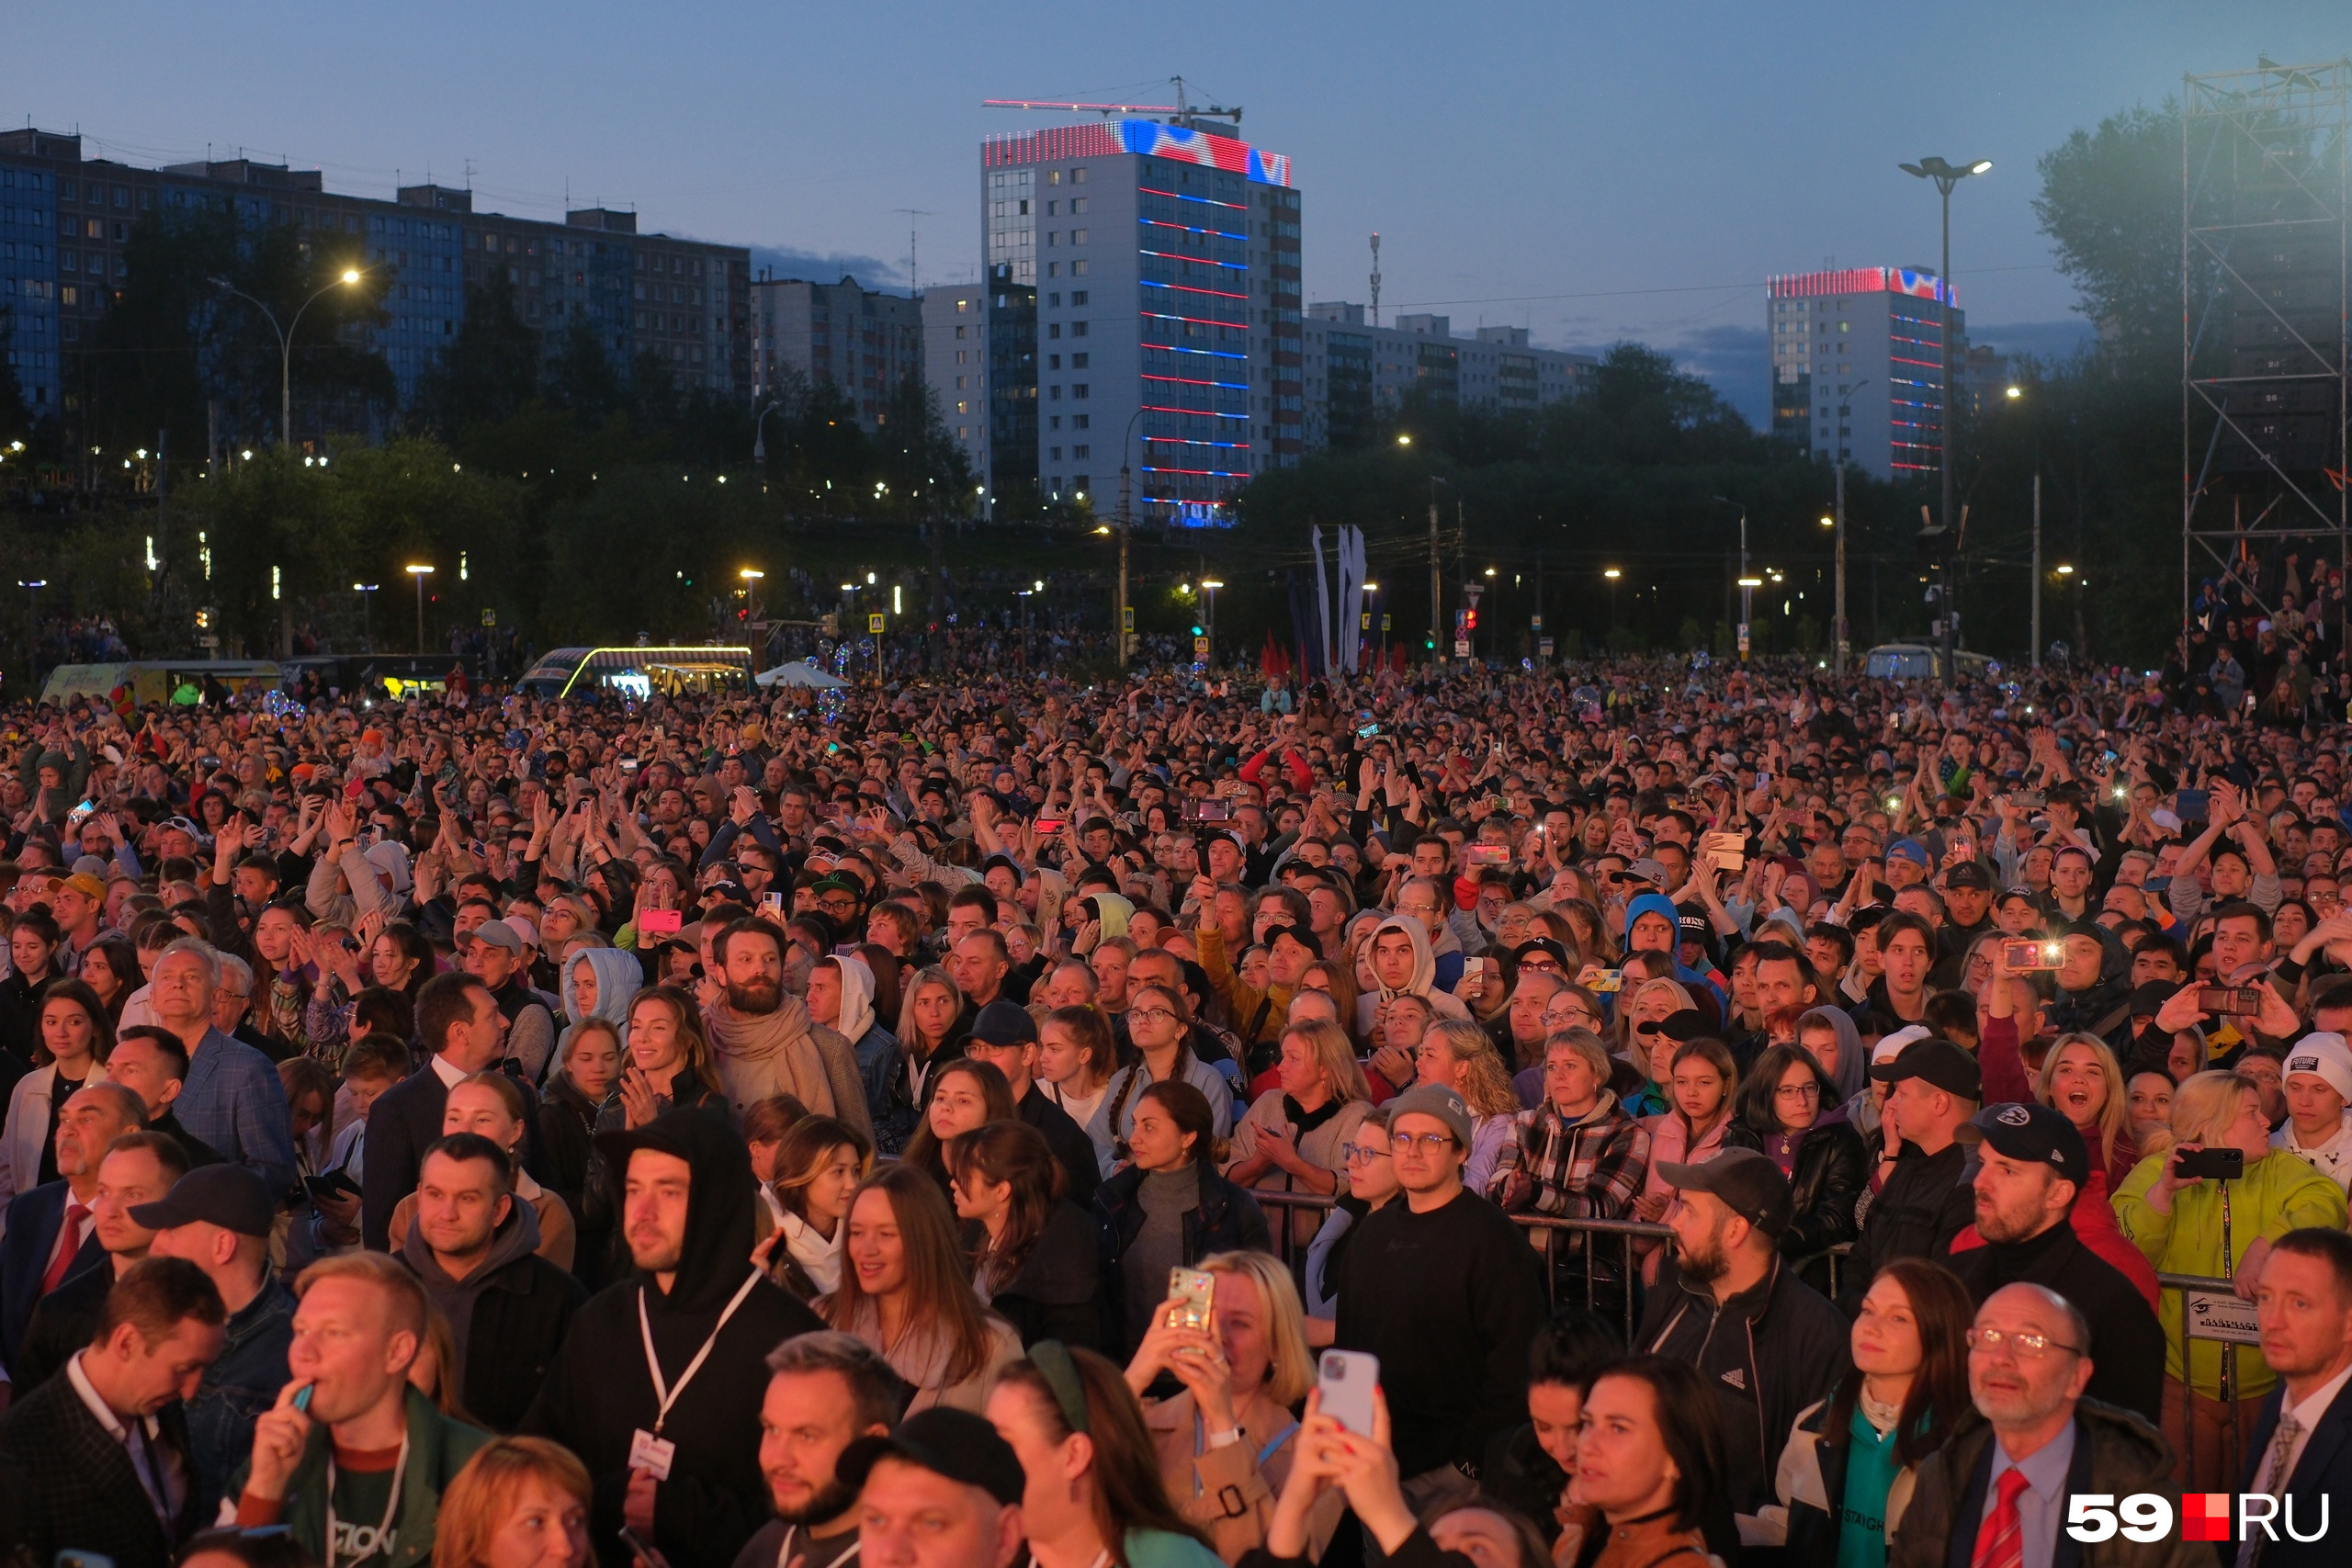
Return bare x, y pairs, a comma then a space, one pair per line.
1076, 204
1077, 329
1078, 361
1053, 362
1081, 421
1079, 391
1078, 236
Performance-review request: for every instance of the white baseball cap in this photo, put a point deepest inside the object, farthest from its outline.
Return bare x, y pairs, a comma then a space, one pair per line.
1894, 1045
2324, 1056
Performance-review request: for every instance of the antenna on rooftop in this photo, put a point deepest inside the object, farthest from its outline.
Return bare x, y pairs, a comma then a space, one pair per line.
912, 213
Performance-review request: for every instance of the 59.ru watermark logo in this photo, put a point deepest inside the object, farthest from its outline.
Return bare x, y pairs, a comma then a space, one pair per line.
2204, 1515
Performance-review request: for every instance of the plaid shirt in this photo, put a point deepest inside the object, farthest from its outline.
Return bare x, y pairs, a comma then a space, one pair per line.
1592, 1169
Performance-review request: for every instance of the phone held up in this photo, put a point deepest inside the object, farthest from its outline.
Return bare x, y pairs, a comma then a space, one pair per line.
1191, 1293
2216, 1165
2230, 1001
1346, 1380
2024, 956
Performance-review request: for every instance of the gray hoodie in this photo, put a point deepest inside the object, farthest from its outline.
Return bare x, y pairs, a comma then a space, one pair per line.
516, 1236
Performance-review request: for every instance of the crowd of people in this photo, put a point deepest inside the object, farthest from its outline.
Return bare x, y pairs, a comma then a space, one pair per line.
1640, 1116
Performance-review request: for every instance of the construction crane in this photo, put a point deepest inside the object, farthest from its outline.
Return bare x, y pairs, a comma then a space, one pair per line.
1180, 113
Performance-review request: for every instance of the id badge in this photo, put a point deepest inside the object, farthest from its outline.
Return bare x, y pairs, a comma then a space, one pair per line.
652, 1454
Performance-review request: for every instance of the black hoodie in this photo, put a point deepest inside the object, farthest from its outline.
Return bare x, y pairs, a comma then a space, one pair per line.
600, 1392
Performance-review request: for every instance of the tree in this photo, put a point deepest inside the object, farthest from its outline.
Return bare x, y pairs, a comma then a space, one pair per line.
491, 370
2110, 202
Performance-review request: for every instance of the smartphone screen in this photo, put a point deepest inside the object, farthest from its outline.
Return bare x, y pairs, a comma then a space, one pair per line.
1346, 1380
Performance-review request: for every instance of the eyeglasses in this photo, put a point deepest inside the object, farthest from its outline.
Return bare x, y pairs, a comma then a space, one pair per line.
1358, 1154
1798, 1091
1150, 1015
1430, 1143
2025, 1346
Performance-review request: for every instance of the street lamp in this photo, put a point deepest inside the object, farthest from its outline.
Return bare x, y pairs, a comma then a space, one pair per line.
1841, 636
420, 573
1612, 574
32, 641
1209, 585
1945, 176
1747, 584
347, 277
367, 598
1125, 529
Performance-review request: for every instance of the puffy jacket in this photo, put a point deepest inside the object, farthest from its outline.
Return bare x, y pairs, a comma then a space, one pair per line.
2115, 1452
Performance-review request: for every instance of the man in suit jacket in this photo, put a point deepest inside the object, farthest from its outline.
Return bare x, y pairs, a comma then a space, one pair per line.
34, 1255
103, 1448
2301, 1449
458, 1023
232, 1101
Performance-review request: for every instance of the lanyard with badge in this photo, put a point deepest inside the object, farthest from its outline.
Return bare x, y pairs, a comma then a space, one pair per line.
365, 1542
650, 1451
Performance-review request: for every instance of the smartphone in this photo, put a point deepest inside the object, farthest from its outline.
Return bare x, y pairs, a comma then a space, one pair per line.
1609, 981
79, 814
1366, 731
2230, 1001
1211, 810
660, 923
334, 1184
1478, 857
2032, 956
773, 904
2030, 799
2191, 805
1052, 824
1725, 852
2214, 1165
1192, 1292
1347, 1379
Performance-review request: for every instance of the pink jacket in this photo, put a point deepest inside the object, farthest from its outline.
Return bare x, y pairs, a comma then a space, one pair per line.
1670, 1144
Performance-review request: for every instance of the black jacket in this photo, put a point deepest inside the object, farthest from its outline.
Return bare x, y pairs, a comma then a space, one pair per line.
1923, 1206
403, 1121
1832, 1168
79, 1488
2127, 1343
2323, 1470
522, 1306
62, 1323
600, 1392
1449, 1301
1228, 1220
1053, 1295
568, 1133
1769, 1352
1072, 1149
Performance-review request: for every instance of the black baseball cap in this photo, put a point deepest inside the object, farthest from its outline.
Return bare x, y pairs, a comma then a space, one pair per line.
1004, 1023
1302, 935
226, 1195
954, 1443
1746, 1181
1541, 945
1940, 1063
2035, 1133
1968, 874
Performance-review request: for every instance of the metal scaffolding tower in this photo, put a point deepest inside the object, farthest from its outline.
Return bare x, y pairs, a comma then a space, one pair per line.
2266, 192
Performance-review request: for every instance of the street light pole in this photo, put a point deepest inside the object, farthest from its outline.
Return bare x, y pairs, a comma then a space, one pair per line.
1841, 634
1945, 176
286, 344
1209, 585
1126, 527
418, 574
366, 592
2037, 569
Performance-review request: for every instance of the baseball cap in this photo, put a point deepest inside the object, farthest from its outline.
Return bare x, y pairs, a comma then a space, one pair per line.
1434, 1099
1649, 871
1004, 1023
1907, 850
1894, 1045
2035, 1133
226, 1195
2322, 1054
1746, 1181
1968, 874
956, 1444
1543, 944
1299, 934
498, 933
1938, 1061
88, 886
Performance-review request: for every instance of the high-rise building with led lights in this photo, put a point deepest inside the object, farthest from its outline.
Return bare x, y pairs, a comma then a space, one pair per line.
1151, 302
1857, 366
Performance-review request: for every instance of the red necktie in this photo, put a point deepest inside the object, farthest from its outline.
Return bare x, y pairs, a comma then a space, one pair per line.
2000, 1539
69, 1245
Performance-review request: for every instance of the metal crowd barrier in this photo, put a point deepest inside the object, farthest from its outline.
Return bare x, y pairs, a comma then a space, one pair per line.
2198, 1321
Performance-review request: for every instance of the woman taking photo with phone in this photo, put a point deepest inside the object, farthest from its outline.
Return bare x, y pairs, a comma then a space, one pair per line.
1033, 1259
903, 1291
1166, 1210
1094, 1498
2170, 1207
1226, 1441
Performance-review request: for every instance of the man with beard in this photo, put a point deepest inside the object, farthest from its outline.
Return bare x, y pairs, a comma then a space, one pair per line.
2034, 1164
764, 1041
825, 1390
1766, 1342
658, 1387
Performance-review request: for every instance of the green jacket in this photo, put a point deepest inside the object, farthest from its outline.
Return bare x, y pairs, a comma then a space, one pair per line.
2278, 1193
438, 1449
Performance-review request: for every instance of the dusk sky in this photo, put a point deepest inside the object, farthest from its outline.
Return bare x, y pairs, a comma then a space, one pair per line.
1592, 172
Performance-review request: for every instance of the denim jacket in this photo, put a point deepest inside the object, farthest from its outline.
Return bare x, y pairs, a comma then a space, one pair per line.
237, 1388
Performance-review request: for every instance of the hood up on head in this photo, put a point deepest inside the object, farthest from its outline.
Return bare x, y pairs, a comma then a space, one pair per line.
718, 1202
1114, 909
1424, 961
619, 976
857, 999
1853, 1071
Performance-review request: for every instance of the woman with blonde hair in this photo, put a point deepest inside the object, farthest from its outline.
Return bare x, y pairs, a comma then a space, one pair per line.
1289, 1140
1226, 1442
1458, 1055
1337, 978
519, 1503
904, 1291
2082, 1081
669, 1063
2175, 1220
928, 1006
1637, 1029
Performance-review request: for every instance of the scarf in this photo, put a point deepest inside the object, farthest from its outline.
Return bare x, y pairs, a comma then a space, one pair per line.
763, 1054
819, 1258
